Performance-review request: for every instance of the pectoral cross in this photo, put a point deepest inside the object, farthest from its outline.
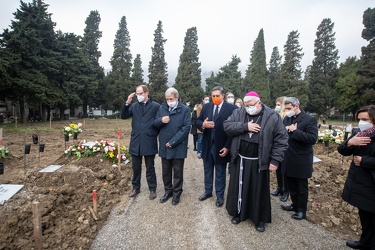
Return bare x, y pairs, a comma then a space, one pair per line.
251, 134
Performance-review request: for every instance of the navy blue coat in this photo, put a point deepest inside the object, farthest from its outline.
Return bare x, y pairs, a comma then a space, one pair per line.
175, 132
298, 159
222, 140
143, 140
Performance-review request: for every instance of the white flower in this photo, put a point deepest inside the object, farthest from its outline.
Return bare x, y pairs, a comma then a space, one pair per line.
79, 124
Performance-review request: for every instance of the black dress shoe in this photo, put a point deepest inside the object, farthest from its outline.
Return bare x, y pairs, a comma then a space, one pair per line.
278, 191
219, 202
299, 216
285, 196
356, 245
288, 208
134, 192
176, 200
260, 227
165, 197
235, 220
152, 194
204, 196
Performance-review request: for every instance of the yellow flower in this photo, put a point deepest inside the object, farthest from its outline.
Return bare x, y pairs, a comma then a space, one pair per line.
111, 155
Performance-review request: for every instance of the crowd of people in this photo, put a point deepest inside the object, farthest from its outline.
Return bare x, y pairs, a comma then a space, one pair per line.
248, 140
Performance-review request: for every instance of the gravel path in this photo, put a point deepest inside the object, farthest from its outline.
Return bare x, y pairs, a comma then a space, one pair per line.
147, 224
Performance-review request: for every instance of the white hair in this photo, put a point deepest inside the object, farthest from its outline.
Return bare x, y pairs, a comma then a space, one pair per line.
250, 98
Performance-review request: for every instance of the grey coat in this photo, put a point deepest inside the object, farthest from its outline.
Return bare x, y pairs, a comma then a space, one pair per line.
175, 132
273, 138
144, 135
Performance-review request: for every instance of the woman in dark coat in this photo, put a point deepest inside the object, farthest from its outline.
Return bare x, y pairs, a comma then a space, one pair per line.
193, 129
359, 189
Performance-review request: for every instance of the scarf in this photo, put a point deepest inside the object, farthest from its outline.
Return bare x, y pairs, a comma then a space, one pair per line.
367, 133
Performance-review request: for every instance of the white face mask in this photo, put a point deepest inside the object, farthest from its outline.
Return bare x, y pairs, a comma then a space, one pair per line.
278, 109
230, 100
172, 104
205, 101
364, 125
140, 98
290, 113
195, 108
251, 110
238, 104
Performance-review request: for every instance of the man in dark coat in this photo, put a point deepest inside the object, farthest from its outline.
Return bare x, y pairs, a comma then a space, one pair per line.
173, 120
143, 141
215, 144
303, 133
258, 145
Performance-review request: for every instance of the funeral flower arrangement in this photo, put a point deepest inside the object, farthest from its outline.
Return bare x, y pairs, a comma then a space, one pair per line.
107, 149
3, 152
72, 129
331, 135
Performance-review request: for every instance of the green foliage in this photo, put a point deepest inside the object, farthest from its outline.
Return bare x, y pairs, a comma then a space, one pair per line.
188, 79
366, 73
323, 73
137, 72
229, 77
274, 72
157, 69
256, 77
348, 98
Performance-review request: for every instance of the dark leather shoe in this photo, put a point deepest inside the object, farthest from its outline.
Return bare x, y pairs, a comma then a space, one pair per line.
299, 216
356, 245
176, 200
219, 202
278, 191
235, 220
152, 195
285, 196
288, 208
134, 192
165, 197
204, 196
260, 227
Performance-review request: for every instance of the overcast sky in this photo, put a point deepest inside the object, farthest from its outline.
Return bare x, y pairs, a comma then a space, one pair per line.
225, 28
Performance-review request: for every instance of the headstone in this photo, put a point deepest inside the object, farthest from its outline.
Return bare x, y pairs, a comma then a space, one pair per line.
50, 169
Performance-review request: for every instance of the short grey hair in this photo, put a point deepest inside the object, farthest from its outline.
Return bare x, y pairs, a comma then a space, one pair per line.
171, 91
292, 100
218, 88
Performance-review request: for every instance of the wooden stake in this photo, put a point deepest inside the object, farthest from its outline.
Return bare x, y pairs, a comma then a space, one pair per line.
1, 136
15, 124
93, 213
84, 122
50, 119
37, 225
94, 204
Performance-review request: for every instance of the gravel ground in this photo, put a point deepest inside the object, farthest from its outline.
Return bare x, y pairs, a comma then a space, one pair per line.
147, 224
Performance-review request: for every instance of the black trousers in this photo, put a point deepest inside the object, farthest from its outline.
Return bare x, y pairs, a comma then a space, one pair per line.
173, 169
281, 180
150, 171
368, 228
299, 192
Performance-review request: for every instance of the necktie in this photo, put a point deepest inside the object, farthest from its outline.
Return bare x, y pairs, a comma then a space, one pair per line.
216, 113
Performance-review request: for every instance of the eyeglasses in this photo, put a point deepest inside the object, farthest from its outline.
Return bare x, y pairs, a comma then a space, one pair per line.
230, 96
139, 93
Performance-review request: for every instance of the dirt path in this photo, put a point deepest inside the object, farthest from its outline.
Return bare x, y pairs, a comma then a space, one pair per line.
144, 224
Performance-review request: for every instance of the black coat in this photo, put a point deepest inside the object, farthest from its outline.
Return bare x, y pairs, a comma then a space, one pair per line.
144, 135
298, 159
193, 129
175, 132
359, 189
222, 140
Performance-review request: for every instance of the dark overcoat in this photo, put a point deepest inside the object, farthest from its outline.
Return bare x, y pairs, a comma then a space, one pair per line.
359, 189
143, 140
175, 132
221, 138
298, 159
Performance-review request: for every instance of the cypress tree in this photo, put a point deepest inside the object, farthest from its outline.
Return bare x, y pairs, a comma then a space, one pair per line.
188, 79
256, 77
137, 72
274, 73
157, 69
323, 73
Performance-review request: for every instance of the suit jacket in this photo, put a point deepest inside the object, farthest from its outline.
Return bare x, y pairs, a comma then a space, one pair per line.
298, 159
222, 140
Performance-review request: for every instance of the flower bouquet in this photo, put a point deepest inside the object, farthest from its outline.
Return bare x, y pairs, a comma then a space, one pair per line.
72, 129
107, 149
